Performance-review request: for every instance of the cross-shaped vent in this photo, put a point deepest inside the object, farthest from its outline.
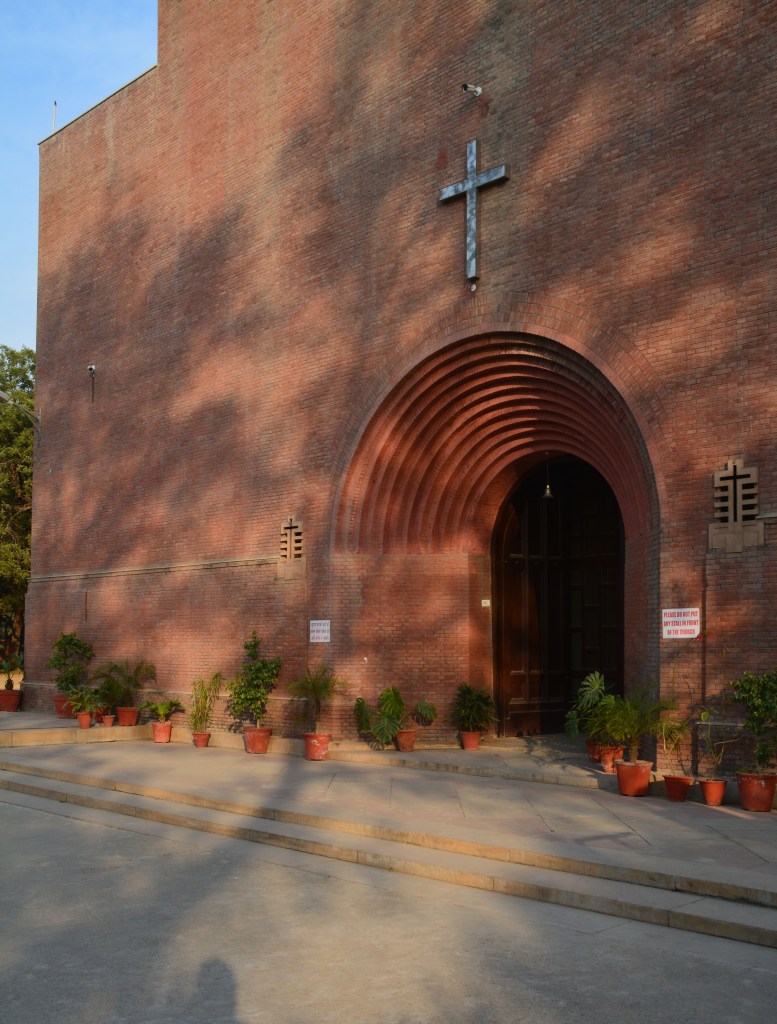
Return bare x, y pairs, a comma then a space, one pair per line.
291, 540
736, 492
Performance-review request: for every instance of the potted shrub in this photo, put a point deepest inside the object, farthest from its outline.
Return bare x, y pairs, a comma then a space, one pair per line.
205, 693
312, 690
11, 699
580, 717
83, 702
712, 748
161, 726
474, 711
672, 733
70, 660
390, 721
119, 682
249, 692
758, 695
628, 721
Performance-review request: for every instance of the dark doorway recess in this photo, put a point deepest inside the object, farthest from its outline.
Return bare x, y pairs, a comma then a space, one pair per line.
558, 582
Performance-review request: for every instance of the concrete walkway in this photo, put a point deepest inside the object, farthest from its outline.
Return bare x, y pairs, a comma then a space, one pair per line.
475, 818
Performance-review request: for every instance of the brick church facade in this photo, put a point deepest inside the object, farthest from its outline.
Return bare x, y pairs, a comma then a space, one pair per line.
349, 322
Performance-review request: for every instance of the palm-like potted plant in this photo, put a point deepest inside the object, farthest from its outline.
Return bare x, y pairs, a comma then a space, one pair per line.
629, 720
312, 690
390, 720
119, 682
249, 693
70, 660
474, 711
205, 693
758, 695
161, 726
84, 702
11, 699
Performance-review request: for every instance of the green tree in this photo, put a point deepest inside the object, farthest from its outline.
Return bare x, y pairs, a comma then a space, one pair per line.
17, 380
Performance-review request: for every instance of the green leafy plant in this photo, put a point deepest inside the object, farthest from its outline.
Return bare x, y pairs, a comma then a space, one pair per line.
205, 693
629, 720
390, 715
82, 699
162, 709
70, 660
119, 681
758, 695
672, 732
710, 721
256, 678
473, 710
581, 717
313, 689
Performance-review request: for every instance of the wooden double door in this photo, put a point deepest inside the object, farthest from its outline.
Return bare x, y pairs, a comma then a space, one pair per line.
558, 581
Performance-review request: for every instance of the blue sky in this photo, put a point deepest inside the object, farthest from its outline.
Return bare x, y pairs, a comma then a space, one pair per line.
76, 52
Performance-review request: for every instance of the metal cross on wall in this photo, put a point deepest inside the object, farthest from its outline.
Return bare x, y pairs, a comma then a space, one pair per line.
469, 187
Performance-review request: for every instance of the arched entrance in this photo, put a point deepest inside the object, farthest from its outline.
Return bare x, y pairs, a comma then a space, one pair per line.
557, 572
425, 490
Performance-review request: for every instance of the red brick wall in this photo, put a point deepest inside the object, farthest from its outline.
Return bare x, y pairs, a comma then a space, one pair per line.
247, 244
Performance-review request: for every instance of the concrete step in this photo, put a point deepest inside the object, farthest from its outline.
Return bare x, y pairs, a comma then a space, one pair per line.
745, 911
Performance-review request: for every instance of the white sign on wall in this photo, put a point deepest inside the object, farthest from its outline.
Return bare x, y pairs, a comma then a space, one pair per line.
680, 623
319, 631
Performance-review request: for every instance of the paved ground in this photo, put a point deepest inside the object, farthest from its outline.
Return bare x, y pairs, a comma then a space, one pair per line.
109, 920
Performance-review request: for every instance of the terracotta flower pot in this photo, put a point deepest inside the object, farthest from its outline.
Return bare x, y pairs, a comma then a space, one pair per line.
108, 721
127, 716
608, 756
256, 738
677, 786
100, 714
84, 719
756, 792
469, 740
62, 706
161, 731
10, 700
594, 749
200, 739
713, 791
633, 777
316, 745
406, 739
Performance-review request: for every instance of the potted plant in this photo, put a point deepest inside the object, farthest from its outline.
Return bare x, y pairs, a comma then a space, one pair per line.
83, 702
119, 682
70, 660
581, 716
628, 720
672, 733
249, 692
161, 726
312, 690
205, 693
709, 722
11, 699
390, 721
758, 695
474, 711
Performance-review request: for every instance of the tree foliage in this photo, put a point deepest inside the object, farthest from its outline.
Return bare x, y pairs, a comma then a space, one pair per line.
17, 380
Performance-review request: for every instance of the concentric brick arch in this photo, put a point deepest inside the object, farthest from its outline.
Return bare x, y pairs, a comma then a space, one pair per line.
447, 444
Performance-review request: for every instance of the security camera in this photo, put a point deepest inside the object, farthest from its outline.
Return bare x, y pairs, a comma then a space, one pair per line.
90, 369
474, 89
